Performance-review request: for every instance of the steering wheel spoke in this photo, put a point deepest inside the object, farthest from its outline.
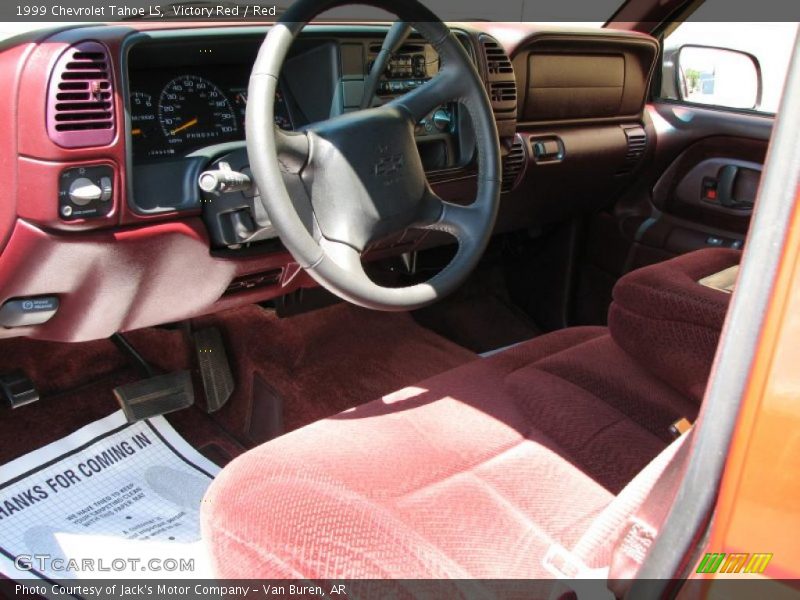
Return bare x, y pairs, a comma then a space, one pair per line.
293, 149
417, 104
458, 220
346, 258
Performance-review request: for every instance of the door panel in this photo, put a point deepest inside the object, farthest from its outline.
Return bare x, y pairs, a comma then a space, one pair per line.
705, 176
713, 183
693, 193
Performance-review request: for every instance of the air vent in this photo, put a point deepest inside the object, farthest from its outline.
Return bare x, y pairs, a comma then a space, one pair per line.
80, 99
503, 92
501, 85
500, 81
513, 165
497, 63
637, 144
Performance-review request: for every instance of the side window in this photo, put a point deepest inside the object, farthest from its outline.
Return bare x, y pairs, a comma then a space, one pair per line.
731, 65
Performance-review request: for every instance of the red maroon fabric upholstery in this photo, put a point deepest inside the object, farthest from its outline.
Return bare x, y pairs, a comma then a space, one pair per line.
473, 473
671, 323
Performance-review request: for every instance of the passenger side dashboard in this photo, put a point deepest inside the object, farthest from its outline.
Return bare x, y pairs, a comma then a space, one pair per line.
582, 131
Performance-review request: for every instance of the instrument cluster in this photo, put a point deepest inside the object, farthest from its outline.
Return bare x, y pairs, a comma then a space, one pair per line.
174, 113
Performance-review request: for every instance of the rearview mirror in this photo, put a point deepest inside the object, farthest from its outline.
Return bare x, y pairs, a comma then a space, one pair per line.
718, 76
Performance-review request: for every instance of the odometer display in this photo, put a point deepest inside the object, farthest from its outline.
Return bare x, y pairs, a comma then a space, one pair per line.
194, 110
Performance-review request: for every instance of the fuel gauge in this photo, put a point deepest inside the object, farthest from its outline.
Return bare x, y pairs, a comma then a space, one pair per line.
144, 121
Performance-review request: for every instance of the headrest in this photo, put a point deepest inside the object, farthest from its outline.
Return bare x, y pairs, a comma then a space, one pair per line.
668, 316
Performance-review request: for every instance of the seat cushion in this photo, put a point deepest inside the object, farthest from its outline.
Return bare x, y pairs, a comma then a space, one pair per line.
477, 472
472, 473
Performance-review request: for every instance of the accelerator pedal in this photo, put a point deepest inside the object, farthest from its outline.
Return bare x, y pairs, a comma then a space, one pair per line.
214, 367
157, 394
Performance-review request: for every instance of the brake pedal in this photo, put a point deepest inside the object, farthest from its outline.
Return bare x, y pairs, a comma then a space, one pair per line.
155, 396
215, 369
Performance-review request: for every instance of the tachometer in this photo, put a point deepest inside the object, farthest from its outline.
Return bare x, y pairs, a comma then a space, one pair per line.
283, 117
194, 109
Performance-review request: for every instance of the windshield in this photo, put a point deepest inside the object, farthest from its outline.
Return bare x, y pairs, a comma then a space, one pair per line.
573, 13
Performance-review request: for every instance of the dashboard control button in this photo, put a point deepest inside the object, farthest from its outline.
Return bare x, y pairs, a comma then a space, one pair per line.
26, 312
107, 189
83, 191
441, 119
224, 180
547, 149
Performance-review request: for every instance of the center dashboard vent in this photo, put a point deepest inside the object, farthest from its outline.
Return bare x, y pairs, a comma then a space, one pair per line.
501, 84
513, 165
503, 91
496, 60
80, 98
636, 138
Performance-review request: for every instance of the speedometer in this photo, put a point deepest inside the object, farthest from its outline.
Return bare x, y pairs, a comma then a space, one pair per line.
192, 109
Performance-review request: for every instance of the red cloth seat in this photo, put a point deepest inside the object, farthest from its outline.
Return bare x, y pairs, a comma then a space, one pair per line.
472, 473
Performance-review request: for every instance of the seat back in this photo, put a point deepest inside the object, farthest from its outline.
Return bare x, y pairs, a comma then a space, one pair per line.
670, 322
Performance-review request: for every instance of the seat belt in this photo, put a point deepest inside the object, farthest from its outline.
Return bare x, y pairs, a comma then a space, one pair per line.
679, 427
621, 535
642, 527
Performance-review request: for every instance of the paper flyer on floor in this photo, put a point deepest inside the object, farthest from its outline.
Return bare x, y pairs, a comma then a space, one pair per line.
112, 500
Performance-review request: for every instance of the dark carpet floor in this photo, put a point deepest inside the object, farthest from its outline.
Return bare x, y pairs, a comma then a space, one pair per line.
288, 373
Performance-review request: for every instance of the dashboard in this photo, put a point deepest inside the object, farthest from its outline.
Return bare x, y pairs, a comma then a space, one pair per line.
105, 206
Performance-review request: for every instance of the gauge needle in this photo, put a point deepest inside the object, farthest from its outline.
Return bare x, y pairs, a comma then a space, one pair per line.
136, 132
186, 125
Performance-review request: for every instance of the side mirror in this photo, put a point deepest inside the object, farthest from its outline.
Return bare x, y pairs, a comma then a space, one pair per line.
718, 77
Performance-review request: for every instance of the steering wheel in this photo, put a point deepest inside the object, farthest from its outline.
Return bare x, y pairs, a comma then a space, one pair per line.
337, 185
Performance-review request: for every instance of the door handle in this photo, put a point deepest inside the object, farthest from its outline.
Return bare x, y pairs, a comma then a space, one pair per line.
726, 181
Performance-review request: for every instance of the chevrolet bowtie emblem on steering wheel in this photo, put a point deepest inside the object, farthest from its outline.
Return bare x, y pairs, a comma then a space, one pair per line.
389, 165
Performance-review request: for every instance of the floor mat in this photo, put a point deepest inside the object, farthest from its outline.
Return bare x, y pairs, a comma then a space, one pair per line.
61, 412
111, 493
